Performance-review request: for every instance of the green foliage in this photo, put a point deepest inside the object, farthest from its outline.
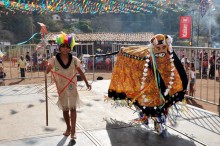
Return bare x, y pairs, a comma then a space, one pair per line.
218, 19
83, 26
17, 25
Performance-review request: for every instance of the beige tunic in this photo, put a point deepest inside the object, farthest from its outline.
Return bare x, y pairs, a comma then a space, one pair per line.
66, 83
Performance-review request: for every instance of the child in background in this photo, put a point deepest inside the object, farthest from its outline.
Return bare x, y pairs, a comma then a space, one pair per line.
187, 69
192, 80
2, 76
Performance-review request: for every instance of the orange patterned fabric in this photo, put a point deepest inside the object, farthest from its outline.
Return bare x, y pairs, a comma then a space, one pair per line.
128, 71
164, 68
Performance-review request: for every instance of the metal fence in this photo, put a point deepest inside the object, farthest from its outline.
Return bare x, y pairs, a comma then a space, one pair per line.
207, 73
207, 64
38, 56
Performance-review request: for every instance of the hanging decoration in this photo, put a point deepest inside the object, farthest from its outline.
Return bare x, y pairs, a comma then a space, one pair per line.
28, 39
43, 31
89, 7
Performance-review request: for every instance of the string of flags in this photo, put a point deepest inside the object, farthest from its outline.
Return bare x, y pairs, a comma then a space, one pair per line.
89, 7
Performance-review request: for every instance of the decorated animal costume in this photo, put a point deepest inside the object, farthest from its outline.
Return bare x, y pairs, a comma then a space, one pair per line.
151, 77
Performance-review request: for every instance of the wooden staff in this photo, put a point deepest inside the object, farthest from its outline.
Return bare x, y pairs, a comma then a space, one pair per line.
46, 98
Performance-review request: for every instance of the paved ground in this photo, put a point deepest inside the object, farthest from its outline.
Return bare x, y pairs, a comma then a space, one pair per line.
23, 121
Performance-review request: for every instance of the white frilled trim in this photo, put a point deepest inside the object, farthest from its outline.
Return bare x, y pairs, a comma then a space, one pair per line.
144, 77
171, 74
167, 42
155, 41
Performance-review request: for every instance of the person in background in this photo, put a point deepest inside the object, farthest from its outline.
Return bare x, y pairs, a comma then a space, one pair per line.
187, 70
108, 51
218, 66
28, 59
212, 66
34, 56
40, 61
203, 63
108, 63
192, 80
2, 76
64, 67
22, 65
184, 60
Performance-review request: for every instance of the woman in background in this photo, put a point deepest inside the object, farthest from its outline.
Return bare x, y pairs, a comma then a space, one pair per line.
22, 65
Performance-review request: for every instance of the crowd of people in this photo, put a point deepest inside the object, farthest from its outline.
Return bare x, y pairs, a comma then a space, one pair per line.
101, 60
208, 64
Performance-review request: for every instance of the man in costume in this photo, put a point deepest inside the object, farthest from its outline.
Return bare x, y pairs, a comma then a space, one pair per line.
151, 78
64, 68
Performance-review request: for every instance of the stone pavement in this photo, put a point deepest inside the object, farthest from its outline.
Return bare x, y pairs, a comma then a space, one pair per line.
99, 123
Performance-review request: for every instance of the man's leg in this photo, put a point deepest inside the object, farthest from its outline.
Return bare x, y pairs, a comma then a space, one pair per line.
73, 123
67, 121
22, 72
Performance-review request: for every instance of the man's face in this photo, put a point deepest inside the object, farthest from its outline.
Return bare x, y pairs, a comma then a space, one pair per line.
160, 50
64, 50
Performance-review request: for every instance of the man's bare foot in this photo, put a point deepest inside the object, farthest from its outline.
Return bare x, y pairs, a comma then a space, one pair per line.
73, 135
67, 132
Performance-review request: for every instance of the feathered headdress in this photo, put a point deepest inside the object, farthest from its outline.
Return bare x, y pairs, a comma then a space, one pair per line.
63, 38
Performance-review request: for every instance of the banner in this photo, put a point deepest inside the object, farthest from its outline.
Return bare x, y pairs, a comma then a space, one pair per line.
185, 27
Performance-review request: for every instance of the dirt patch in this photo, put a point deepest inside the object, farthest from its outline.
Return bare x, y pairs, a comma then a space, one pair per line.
35, 75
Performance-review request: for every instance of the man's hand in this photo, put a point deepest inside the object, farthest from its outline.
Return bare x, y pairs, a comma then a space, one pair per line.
88, 86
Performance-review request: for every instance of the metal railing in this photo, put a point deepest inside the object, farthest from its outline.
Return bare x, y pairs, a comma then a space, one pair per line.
207, 86
38, 54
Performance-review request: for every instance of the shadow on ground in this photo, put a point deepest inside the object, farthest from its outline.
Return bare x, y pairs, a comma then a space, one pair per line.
14, 83
130, 135
194, 103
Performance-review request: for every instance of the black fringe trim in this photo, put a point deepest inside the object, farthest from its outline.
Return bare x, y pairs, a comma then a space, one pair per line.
150, 111
61, 62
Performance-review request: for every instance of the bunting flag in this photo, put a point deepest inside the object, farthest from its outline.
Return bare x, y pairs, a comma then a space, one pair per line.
204, 6
89, 7
43, 29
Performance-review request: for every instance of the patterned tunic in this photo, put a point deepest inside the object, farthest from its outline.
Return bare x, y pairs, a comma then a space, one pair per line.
66, 82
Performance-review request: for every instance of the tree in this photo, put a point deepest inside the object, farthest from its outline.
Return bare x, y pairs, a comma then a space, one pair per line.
18, 25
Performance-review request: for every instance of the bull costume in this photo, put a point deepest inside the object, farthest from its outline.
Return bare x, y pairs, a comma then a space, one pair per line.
151, 78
